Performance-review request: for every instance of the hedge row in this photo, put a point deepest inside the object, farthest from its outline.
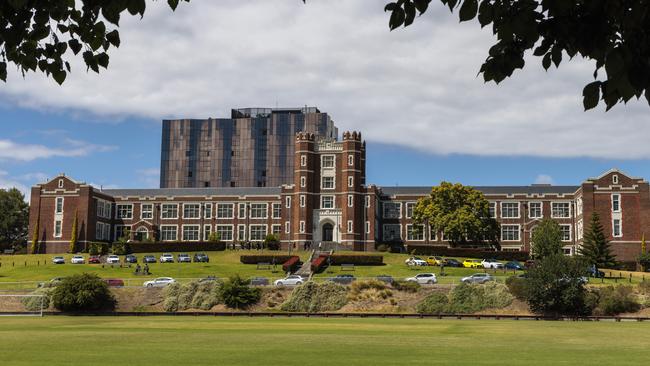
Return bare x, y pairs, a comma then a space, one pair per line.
176, 247
468, 253
358, 260
292, 264
264, 258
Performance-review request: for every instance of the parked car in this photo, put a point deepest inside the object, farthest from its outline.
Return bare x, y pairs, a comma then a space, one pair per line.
78, 259
415, 261
424, 278
94, 259
184, 258
111, 259
259, 281
167, 258
201, 257
514, 265
434, 260
385, 278
472, 263
343, 279
131, 259
491, 263
292, 280
58, 260
148, 259
114, 282
477, 278
209, 279
51, 283
159, 282
451, 262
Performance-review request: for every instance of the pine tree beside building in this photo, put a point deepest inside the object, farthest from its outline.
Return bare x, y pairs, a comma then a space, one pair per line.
595, 247
73, 236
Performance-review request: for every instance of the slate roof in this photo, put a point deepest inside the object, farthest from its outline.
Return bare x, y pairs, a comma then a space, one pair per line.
194, 192
534, 189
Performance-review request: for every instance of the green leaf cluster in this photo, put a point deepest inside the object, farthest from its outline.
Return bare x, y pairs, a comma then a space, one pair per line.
237, 293
14, 218
83, 292
546, 239
595, 247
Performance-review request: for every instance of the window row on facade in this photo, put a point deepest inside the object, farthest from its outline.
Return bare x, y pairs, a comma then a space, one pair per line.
171, 211
192, 232
508, 210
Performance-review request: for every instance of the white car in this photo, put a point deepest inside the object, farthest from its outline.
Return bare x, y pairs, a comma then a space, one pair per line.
159, 282
77, 259
424, 278
415, 261
166, 258
292, 280
491, 263
477, 278
111, 259
58, 260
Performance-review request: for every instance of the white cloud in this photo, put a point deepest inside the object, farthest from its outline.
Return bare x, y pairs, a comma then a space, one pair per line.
415, 87
10, 150
149, 177
544, 179
7, 182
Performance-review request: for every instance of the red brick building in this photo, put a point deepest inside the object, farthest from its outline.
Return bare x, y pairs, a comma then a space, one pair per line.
330, 205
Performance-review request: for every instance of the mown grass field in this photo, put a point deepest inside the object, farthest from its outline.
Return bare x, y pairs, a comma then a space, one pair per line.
34, 268
157, 341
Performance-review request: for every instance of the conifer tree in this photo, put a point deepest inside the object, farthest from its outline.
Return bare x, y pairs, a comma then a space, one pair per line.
595, 247
34, 248
73, 237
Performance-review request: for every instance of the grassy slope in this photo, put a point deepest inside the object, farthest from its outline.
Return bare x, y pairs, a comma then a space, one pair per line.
274, 341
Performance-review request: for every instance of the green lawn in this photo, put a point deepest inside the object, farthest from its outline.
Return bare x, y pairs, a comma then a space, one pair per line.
197, 341
222, 264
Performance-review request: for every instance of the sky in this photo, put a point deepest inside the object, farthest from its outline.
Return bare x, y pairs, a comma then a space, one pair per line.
414, 94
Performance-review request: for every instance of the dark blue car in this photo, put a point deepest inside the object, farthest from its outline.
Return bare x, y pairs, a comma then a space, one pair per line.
514, 265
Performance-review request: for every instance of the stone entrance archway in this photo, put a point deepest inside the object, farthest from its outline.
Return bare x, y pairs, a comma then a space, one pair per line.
327, 232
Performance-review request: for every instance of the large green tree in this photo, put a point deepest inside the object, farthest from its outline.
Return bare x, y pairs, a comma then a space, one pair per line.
613, 33
461, 212
35, 35
547, 239
14, 218
595, 246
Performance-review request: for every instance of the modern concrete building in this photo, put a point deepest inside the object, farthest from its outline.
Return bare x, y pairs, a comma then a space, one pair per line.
328, 203
252, 148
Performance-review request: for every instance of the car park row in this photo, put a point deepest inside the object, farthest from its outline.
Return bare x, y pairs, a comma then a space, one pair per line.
467, 263
130, 258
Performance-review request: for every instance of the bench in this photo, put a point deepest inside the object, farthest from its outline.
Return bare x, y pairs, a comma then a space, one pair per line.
347, 267
8, 251
264, 265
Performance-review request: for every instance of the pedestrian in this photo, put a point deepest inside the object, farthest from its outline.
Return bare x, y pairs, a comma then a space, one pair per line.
146, 268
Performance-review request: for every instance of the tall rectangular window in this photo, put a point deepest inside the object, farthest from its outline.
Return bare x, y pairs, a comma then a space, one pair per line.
493, 209
207, 210
224, 232
147, 211
168, 232
327, 161
207, 230
350, 182
241, 232
242, 211
432, 233
392, 210
327, 202
277, 210
302, 200
415, 232
392, 232
367, 201
367, 227
288, 202
510, 232
616, 228
124, 211
169, 211
350, 160
560, 210
225, 210
327, 182
349, 226
287, 227
57, 229
509, 210
303, 160
566, 232
259, 210
616, 202
535, 210
303, 181
275, 229
59, 205
409, 209
350, 200
301, 226
122, 231
191, 211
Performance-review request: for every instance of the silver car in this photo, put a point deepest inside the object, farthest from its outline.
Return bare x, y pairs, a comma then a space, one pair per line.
477, 278
159, 282
292, 280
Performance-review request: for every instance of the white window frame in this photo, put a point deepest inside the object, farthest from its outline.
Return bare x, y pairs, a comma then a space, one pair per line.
553, 216
303, 182
58, 228
187, 226
287, 227
228, 207
232, 231
301, 227
241, 228
303, 200
518, 231
492, 205
384, 230
350, 160
169, 226
509, 203
367, 227
409, 232
350, 227
350, 182
322, 182
207, 230
149, 211
198, 210
616, 197
350, 200
615, 179
323, 199
241, 214
207, 210
367, 201
570, 232
303, 160
255, 206
276, 208
620, 227
60, 183
163, 211
323, 158
412, 207
433, 234
287, 202
399, 210
58, 211
118, 214
276, 229
530, 209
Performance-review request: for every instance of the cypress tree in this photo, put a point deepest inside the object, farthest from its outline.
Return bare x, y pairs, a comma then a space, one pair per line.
73, 237
34, 248
595, 247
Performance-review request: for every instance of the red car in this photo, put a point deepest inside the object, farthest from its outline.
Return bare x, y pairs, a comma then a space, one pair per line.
94, 259
114, 282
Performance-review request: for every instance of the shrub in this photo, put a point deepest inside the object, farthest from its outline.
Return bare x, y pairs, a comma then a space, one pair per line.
192, 295
644, 287
406, 286
120, 248
373, 290
313, 297
238, 294
170, 304
436, 303
96, 248
614, 300
644, 261
517, 287
34, 303
83, 292
383, 248
359, 260
272, 242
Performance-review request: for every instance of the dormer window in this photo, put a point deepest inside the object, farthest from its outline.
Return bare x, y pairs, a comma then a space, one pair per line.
615, 179
60, 183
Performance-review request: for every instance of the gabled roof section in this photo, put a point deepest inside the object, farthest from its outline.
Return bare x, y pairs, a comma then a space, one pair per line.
611, 171
488, 190
194, 192
60, 176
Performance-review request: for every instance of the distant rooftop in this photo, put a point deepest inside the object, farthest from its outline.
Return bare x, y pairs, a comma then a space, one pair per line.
533, 189
263, 112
